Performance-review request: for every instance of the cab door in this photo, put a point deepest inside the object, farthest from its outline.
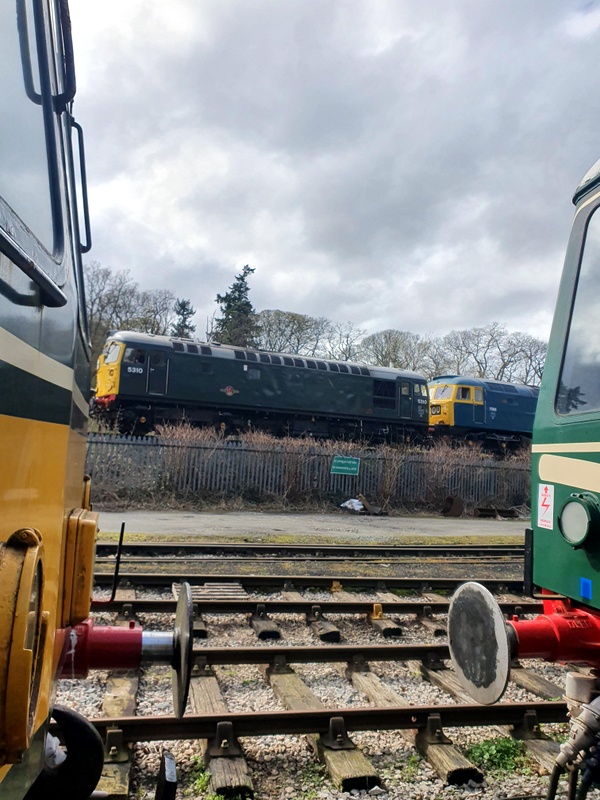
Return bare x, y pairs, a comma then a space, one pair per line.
158, 372
478, 406
405, 403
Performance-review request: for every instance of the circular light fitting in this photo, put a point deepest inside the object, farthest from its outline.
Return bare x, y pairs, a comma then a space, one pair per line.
578, 518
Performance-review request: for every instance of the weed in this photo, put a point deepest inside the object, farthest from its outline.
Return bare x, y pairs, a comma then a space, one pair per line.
309, 781
199, 779
498, 755
411, 767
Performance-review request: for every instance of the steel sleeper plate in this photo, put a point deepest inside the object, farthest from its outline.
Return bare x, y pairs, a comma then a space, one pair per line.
478, 641
182, 649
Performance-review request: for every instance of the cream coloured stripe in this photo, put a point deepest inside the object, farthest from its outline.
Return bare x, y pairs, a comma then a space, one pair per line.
567, 447
80, 400
23, 356
575, 472
591, 199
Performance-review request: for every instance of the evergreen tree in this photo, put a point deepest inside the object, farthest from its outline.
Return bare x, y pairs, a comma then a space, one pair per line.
237, 323
182, 326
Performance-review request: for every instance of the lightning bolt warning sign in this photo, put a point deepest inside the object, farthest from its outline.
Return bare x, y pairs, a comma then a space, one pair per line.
546, 506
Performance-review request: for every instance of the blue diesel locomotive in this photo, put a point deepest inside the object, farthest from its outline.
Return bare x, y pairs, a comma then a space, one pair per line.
473, 410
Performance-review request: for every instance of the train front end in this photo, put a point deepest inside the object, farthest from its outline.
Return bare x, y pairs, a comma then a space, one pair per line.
564, 539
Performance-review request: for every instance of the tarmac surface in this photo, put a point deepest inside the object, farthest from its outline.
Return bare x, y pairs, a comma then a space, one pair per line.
295, 528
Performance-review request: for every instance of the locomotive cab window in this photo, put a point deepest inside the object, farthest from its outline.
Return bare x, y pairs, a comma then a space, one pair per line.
112, 352
579, 384
464, 393
478, 395
26, 181
159, 359
134, 356
384, 394
443, 392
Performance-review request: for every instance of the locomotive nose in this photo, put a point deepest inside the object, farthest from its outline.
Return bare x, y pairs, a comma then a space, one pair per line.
480, 648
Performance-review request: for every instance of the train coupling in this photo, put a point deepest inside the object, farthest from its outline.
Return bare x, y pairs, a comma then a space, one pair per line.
483, 643
94, 646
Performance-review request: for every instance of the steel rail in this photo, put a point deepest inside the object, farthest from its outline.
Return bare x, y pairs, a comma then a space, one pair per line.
167, 606
264, 723
320, 654
497, 585
173, 561
105, 549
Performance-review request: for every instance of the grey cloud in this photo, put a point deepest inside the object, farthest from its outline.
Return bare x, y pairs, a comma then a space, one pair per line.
464, 134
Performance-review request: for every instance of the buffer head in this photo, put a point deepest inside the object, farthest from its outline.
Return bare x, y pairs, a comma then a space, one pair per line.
479, 645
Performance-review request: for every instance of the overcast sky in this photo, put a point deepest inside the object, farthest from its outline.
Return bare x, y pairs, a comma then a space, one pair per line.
393, 163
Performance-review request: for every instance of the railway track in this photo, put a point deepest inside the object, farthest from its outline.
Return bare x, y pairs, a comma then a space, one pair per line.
321, 552
326, 679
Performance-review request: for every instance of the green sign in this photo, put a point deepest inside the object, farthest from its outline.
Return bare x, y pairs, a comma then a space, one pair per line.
344, 465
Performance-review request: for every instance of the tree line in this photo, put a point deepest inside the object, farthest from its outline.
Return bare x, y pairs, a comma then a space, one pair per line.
492, 351
114, 301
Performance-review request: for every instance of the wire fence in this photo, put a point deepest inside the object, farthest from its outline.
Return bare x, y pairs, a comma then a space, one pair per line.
123, 466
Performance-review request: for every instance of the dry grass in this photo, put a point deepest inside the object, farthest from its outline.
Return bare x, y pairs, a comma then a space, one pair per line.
300, 470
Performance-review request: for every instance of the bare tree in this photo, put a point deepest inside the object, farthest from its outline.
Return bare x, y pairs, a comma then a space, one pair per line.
156, 311
114, 302
109, 301
495, 353
287, 332
457, 348
342, 342
532, 353
399, 349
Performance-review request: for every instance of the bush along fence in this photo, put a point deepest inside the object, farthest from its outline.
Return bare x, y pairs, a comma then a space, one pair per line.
297, 472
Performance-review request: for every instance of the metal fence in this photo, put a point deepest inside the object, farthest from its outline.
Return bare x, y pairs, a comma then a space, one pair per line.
123, 466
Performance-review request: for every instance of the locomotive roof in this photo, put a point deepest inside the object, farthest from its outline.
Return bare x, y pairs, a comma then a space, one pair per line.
228, 351
495, 386
589, 181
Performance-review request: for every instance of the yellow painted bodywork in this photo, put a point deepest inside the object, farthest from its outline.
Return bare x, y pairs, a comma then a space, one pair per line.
41, 485
108, 375
446, 405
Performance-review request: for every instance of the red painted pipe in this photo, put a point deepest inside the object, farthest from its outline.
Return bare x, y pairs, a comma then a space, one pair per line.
90, 646
563, 633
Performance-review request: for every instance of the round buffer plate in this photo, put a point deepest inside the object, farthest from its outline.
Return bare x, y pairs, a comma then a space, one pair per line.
182, 649
479, 645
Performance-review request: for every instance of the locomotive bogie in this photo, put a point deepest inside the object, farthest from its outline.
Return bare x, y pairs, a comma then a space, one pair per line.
145, 380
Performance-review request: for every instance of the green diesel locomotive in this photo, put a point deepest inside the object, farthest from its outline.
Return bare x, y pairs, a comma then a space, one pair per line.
563, 543
144, 380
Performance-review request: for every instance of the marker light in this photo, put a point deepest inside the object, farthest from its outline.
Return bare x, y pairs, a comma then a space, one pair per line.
579, 517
